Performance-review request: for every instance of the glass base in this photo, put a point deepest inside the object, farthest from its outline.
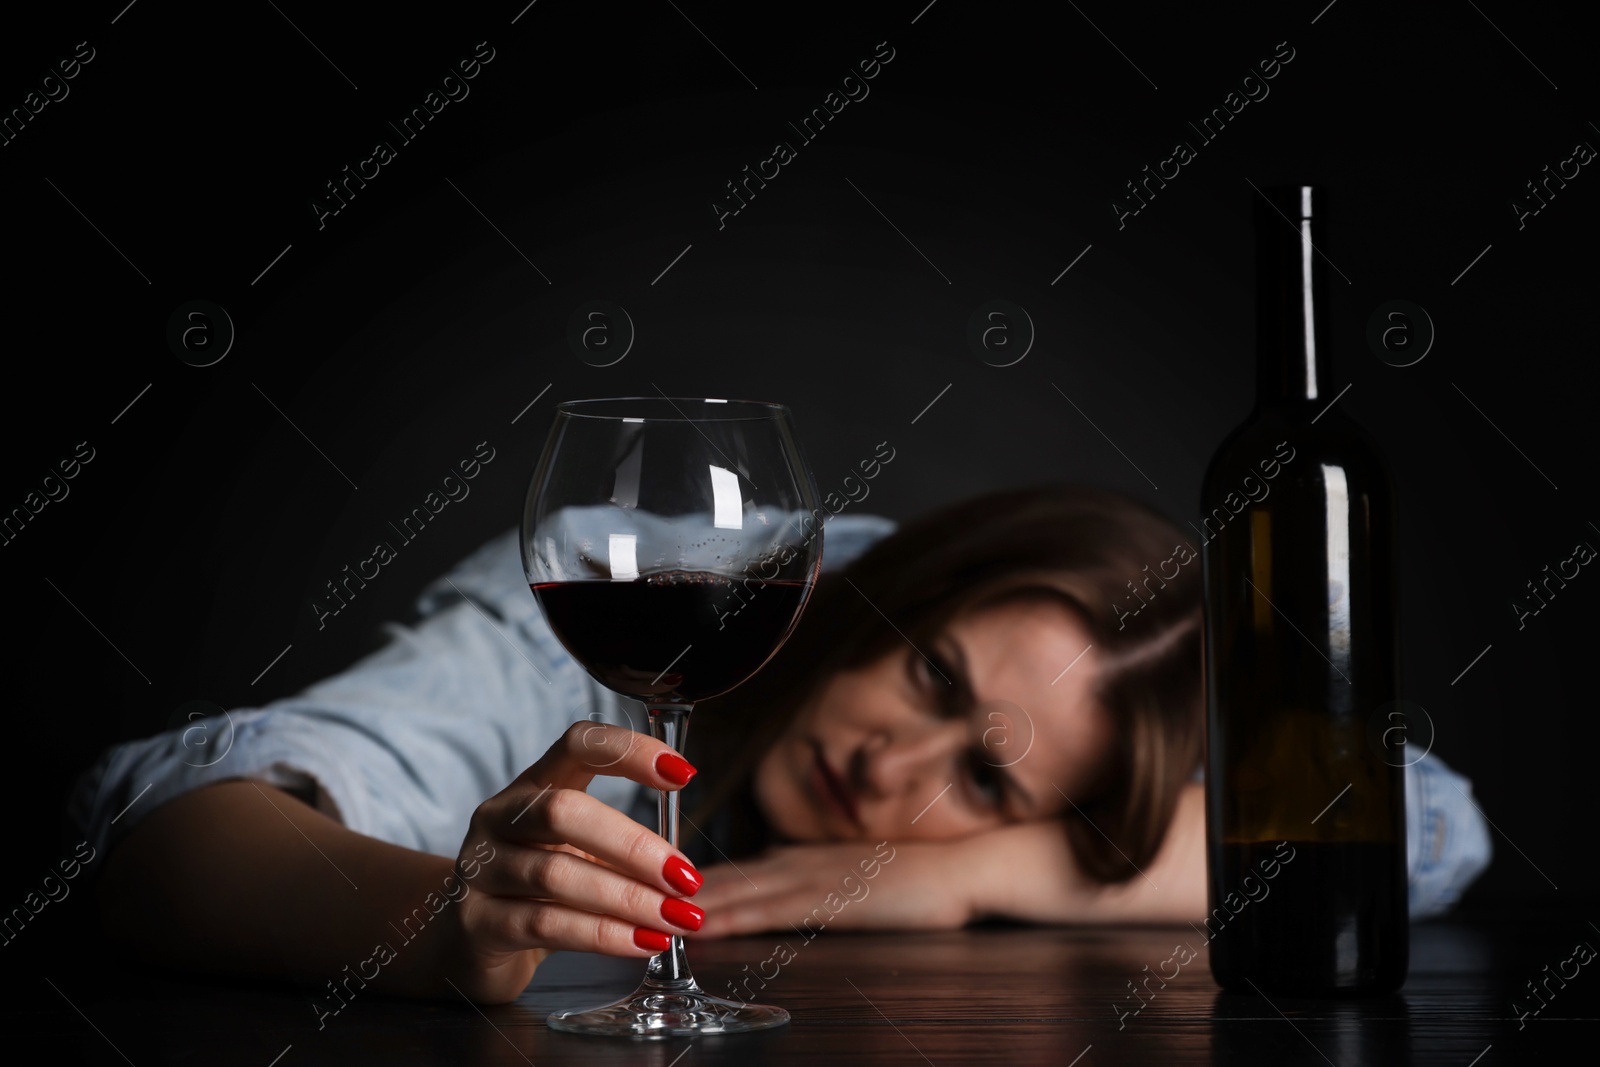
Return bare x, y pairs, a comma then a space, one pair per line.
669, 1009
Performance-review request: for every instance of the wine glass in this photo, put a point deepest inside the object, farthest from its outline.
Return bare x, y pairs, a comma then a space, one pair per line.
672, 544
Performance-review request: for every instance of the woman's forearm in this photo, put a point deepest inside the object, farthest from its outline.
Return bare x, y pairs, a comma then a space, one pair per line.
243, 878
1029, 873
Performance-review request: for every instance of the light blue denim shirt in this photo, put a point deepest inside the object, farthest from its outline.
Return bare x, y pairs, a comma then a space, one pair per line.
406, 743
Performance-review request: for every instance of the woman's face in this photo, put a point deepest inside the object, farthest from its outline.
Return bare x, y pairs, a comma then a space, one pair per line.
892, 750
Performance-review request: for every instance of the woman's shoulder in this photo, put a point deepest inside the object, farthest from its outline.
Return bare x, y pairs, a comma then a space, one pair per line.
490, 577
845, 536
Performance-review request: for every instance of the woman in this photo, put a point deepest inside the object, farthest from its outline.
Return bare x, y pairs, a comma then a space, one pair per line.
976, 710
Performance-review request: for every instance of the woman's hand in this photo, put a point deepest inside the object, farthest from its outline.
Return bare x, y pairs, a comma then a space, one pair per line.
550, 867
906, 885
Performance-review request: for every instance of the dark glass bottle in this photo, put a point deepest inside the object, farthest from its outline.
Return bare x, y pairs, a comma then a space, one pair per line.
1305, 795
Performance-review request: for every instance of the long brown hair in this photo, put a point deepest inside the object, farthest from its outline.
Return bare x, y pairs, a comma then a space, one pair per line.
1129, 574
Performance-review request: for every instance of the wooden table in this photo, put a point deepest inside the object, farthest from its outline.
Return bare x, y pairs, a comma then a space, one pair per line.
996, 994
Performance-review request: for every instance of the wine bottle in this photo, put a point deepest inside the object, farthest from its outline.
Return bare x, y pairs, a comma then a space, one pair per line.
1305, 800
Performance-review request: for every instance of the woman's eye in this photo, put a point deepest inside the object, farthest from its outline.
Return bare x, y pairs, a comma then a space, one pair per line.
930, 670
984, 780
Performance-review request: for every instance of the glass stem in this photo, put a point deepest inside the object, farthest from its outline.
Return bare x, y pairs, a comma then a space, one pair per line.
670, 723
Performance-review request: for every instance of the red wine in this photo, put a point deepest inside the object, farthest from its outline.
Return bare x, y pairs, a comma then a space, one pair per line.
1301, 650
673, 637
1347, 939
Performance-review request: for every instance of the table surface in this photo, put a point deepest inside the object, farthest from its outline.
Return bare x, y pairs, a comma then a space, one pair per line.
992, 994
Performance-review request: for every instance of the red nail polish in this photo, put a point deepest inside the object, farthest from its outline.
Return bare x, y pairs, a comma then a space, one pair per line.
682, 913
682, 877
654, 940
675, 769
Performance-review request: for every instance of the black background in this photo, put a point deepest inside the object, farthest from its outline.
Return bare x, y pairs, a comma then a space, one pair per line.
409, 327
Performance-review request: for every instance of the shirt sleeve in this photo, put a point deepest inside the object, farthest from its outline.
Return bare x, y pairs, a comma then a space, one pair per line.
1447, 836
404, 745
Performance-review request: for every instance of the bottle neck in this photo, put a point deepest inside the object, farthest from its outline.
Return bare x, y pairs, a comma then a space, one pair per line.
1292, 356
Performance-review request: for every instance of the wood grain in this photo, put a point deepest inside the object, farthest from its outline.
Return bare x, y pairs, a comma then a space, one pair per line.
987, 995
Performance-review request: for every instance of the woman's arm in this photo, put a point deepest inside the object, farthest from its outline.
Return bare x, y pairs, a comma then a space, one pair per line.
242, 878
1025, 872
1028, 872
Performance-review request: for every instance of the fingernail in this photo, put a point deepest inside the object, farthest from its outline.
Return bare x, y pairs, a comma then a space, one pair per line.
674, 768
682, 877
682, 913
654, 940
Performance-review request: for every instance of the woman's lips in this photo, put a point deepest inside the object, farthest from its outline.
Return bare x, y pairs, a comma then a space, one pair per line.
831, 789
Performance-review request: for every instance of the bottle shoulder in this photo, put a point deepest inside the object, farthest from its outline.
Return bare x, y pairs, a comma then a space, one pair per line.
1292, 446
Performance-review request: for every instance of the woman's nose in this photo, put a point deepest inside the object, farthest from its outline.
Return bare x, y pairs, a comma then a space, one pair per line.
893, 762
